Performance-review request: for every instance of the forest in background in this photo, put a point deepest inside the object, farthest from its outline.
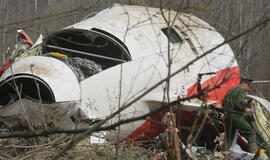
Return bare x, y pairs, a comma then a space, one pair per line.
228, 17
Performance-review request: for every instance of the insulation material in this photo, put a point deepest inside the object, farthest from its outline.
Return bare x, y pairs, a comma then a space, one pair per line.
84, 67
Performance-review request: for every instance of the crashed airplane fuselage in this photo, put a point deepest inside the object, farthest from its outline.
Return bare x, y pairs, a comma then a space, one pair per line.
89, 69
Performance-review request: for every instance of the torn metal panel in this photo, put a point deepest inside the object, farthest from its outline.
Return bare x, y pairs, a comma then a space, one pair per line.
53, 116
261, 117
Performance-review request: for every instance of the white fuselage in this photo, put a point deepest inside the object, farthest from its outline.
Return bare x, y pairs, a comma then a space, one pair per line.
153, 58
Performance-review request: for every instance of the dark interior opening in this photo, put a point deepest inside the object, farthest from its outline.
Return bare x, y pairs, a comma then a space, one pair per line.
29, 87
172, 35
96, 45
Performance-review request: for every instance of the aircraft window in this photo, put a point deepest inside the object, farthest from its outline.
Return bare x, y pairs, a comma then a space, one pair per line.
172, 35
187, 40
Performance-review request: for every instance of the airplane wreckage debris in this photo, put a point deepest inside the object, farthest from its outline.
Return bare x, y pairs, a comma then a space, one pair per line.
71, 79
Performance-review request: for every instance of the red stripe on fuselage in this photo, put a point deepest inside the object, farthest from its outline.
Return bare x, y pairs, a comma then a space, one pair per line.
229, 76
148, 130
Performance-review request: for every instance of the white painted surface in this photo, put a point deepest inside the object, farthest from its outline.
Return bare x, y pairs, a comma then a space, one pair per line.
61, 79
148, 47
140, 29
